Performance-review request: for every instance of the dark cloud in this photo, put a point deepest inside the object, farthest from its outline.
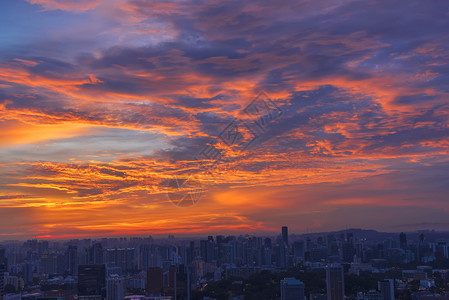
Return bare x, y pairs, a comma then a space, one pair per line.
362, 87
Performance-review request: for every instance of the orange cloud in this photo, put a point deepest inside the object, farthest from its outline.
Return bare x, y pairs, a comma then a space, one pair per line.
69, 5
15, 132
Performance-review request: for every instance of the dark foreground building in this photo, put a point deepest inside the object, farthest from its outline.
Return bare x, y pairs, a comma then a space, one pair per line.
92, 282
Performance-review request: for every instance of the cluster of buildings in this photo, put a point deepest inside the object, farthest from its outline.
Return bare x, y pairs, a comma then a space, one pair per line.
294, 289
144, 268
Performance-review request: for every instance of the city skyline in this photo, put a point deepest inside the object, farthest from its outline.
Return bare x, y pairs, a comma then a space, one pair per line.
108, 107
269, 234
352, 265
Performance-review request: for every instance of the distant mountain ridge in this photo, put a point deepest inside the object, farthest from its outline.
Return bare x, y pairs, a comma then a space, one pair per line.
374, 235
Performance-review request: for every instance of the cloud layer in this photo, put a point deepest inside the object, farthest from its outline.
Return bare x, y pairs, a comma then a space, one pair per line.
102, 101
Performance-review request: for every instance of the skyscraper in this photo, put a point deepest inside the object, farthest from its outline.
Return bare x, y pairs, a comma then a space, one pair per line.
285, 235
27, 273
71, 256
95, 254
171, 288
2, 273
2, 255
403, 241
292, 289
48, 264
190, 252
115, 288
280, 255
386, 288
3, 268
298, 249
155, 281
348, 248
335, 282
92, 282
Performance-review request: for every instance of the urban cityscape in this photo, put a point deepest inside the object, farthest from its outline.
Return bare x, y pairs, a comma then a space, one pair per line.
349, 264
224, 149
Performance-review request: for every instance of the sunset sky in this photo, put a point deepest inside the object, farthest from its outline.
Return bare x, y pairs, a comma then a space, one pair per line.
102, 101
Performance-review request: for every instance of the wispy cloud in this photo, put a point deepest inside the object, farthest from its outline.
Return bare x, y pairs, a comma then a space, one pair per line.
101, 101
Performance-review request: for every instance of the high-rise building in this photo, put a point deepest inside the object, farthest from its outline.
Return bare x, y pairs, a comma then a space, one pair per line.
2, 274
266, 256
335, 282
285, 235
280, 255
203, 249
192, 251
402, 241
298, 249
48, 264
27, 273
348, 252
92, 282
292, 289
348, 248
225, 254
267, 242
309, 244
207, 250
146, 255
11, 280
115, 288
155, 280
71, 256
61, 264
170, 288
2, 255
386, 288
125, 258
95, 254
3, 267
